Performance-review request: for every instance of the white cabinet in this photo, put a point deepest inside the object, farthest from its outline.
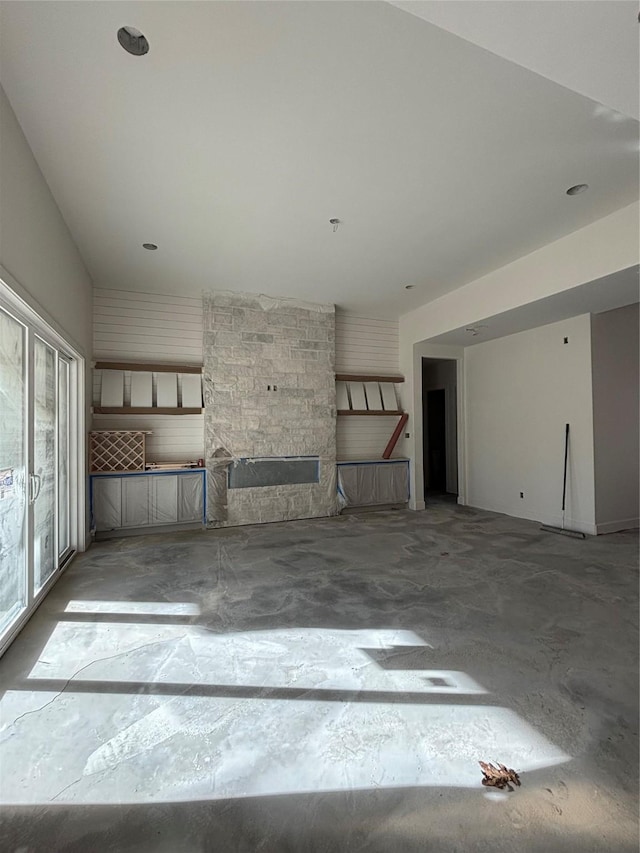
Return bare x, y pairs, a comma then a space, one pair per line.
372, 483
190, 497
135, 501
120, 501
107, 503
163, 498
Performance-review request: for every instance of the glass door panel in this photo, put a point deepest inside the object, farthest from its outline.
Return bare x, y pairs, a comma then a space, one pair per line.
13, 468
64, 539
43, 494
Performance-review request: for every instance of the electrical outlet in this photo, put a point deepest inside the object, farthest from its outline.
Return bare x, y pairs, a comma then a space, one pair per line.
407, 435
522, 494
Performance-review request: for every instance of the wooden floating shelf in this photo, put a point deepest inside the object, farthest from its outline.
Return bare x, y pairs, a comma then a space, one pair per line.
144, 410
148, 368
352, 377
368, 412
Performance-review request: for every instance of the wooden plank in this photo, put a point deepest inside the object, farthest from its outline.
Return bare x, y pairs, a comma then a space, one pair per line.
154, 368
348, 377
167, 391
396, 435
141, 389
374, 398
191, 391
364, 412
138, 410
112, 390
358, 399
342, 398
389, 400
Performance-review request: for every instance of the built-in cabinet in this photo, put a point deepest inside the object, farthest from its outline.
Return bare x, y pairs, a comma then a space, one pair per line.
373, 482
147, 499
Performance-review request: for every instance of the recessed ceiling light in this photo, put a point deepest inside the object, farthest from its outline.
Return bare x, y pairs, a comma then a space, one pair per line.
578, 188
133, 41
151, 246
409, 286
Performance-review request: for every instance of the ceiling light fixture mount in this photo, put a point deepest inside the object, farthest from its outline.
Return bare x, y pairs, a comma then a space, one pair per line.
475, 330
578, 188
409, 286
151, 246
335, 222
133, 41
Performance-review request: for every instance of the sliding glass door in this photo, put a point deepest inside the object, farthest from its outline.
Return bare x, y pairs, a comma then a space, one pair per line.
35, 477
44, 474
64, 497
13, 471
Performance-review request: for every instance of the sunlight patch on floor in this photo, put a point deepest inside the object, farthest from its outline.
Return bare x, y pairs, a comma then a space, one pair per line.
161, 712
156, 608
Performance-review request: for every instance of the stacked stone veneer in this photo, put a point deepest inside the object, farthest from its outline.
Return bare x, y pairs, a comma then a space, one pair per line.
250, 343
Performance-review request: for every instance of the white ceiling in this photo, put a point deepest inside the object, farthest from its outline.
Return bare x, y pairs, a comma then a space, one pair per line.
249, 125
594, 297
591, 47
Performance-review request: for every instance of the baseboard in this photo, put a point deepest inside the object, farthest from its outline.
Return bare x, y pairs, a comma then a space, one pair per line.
417, 505
119, 532
616, 526
570, 524
354, 510
548, 520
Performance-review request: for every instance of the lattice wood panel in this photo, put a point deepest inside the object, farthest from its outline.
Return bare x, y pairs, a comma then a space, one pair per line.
121, 450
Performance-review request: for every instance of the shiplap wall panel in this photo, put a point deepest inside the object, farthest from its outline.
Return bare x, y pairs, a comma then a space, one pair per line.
369, 346
129, 326
146, 327
365, 345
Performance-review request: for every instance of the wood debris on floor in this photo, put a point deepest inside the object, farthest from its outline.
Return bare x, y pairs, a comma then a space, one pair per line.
499, 777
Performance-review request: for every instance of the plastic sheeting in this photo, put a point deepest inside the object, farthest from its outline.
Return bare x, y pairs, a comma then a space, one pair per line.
372, 483
147, 500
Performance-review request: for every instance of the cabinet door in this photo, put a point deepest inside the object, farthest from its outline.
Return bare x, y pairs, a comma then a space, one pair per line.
135, 501
107, 503
190, 497
164, 499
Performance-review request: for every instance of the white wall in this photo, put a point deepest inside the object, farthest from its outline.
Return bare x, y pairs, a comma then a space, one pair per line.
365, 346
616, 380
521, 390
39, 261
36, 248
599, 249
147, 327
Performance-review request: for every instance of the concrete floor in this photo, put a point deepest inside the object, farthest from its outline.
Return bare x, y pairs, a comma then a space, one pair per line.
329, 685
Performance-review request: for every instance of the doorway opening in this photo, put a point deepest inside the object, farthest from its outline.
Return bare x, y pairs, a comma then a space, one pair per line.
439, 429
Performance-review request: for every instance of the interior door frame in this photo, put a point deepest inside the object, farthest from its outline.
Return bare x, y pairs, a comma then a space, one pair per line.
18, 308
412, 397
